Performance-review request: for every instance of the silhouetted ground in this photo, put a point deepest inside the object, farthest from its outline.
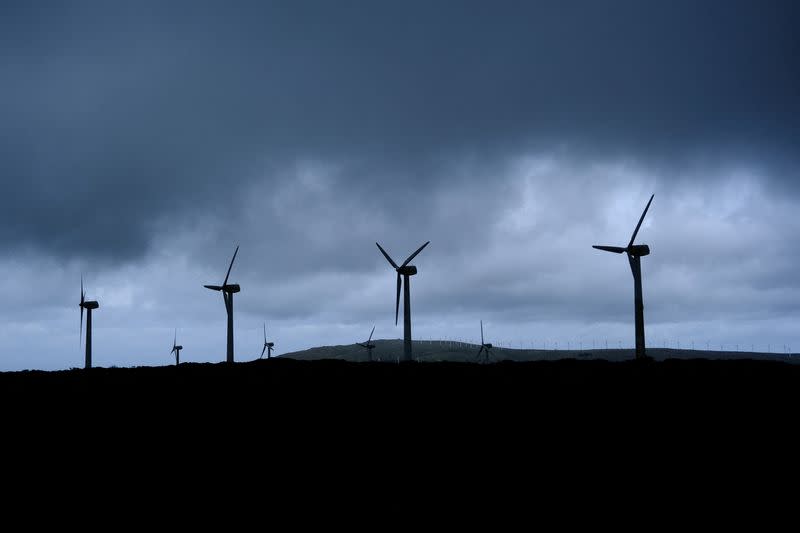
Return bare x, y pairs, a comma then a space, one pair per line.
577, 430
282, 387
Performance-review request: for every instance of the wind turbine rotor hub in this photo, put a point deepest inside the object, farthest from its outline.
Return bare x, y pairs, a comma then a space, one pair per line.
232, 288
408, 270
639, 250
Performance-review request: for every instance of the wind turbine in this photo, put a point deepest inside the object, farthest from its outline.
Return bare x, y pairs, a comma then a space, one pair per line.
368, 346
88, 305
406, 271
267, 345
485, 347
176, 349
227, 295
635, 254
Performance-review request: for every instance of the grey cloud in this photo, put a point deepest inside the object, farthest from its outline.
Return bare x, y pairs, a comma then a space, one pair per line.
122, 115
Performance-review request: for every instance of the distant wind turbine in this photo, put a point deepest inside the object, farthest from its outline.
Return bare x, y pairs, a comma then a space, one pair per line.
635, 253
267, 345
485, 348
406, 271
227, 295
368, 346
89, 305
176, 349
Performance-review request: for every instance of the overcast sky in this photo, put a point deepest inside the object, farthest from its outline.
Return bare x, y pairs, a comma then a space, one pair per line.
140, 142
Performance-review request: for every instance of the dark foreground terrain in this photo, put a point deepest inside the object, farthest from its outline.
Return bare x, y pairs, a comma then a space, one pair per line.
268, 392
568, 431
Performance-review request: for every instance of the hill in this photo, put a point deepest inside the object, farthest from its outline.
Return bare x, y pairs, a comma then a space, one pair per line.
458, 352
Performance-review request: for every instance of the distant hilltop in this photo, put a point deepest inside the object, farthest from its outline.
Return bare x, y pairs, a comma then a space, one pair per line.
391, 350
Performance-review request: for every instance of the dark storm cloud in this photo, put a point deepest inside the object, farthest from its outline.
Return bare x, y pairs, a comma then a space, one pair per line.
121, 119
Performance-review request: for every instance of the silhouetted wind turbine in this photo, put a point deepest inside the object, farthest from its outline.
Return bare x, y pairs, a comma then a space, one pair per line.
88, 305
267, 345
227, 295
635, 253
368, 346
485, 347
406, 271
176, 349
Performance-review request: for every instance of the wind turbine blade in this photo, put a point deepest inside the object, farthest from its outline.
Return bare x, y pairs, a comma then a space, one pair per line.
615, 249
370, 334
175, 338
265, 335
640, 221
480, 352
213, 287
262, 352
230, 266
412, 256
397, 304
83, 299
482, 343
391, 261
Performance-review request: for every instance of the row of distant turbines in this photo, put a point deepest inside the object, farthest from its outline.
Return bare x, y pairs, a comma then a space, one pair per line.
228, 290
404, 271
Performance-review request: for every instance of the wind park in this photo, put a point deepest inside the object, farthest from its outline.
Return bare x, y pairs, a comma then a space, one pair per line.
433, 350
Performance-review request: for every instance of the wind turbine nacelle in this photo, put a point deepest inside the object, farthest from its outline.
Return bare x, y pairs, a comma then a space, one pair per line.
408, 270
179, 348
270, 344
488, 346
90, 305
639, 250
232, 288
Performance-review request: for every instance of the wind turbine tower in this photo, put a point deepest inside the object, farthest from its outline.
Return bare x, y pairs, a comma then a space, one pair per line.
635, 254
227, 295
406, 271
89, 305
